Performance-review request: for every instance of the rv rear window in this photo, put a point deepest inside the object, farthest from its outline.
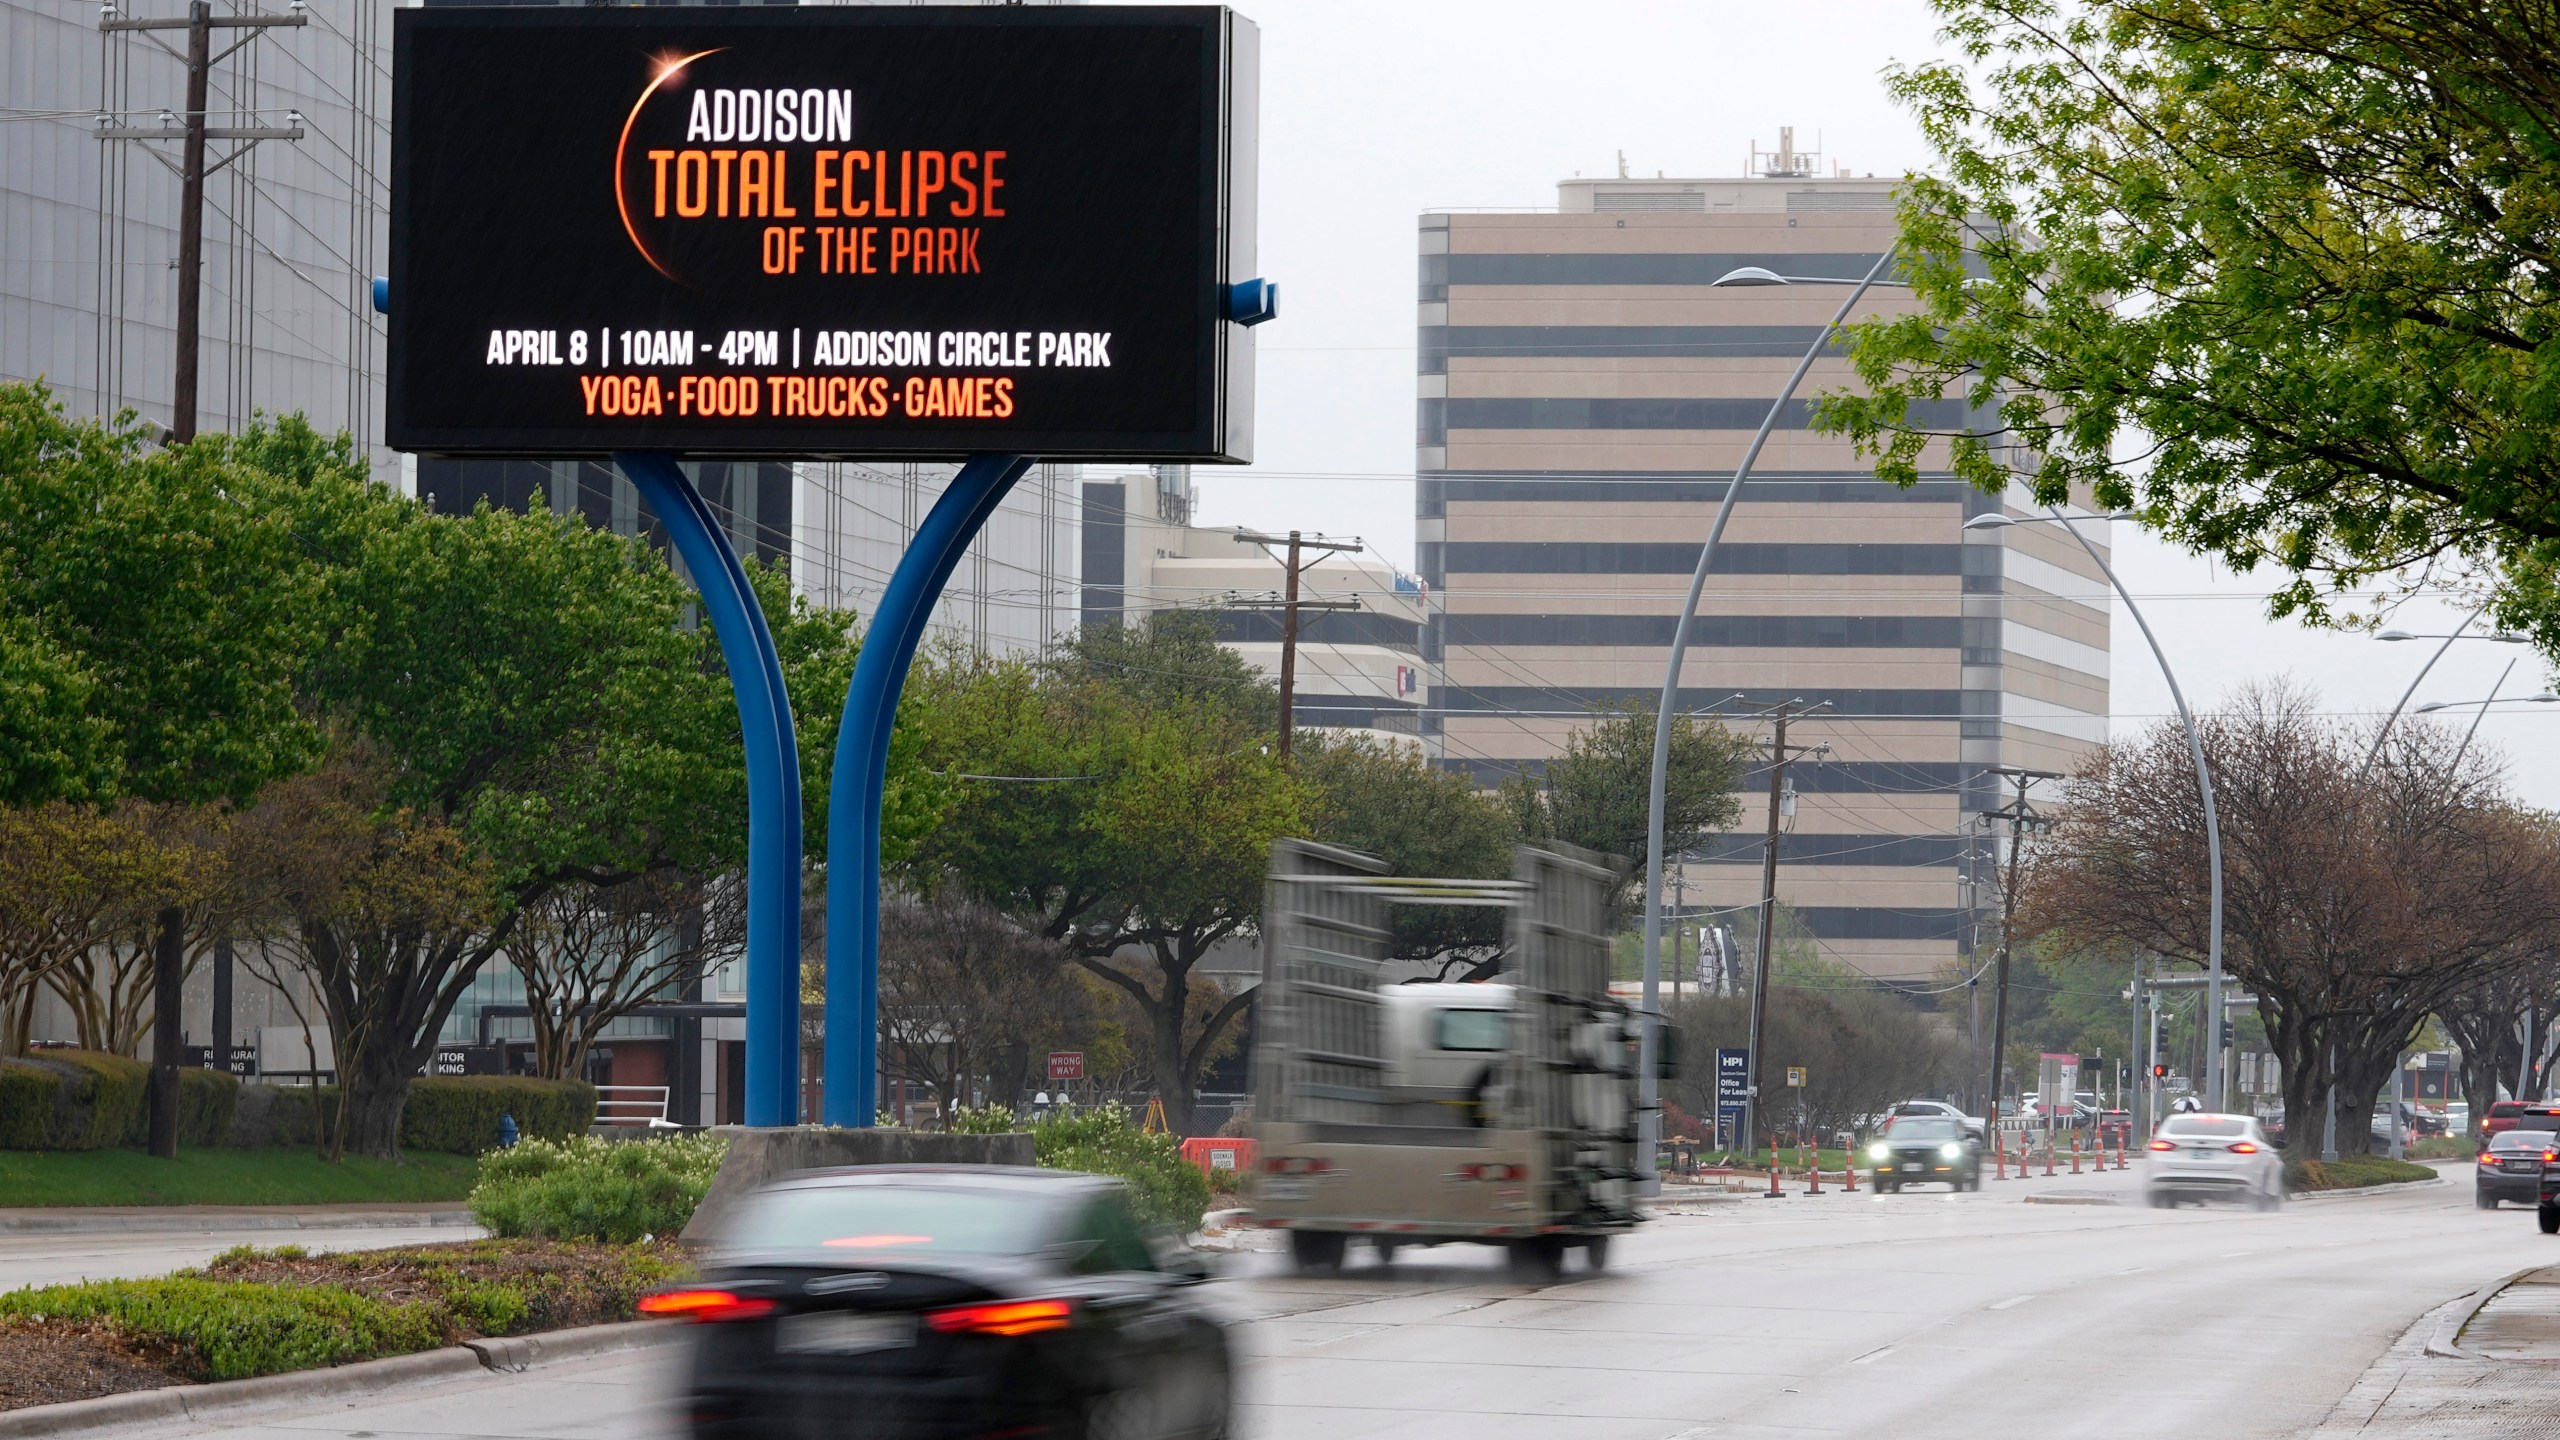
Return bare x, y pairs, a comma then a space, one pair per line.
1472, 1030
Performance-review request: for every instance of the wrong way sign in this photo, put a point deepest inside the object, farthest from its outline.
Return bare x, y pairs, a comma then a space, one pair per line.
1066, 1064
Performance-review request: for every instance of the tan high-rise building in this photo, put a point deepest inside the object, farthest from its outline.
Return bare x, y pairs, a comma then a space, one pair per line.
1586, 390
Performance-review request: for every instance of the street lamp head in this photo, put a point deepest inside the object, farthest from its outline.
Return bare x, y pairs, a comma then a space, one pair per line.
1752, 275
2433, 706
2395, 635
1993, 521
2545, 698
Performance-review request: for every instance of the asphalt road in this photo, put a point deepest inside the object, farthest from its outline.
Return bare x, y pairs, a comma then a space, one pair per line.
1919, 1314
54, 1257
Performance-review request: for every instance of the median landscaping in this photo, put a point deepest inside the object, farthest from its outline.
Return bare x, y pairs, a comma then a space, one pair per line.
263, 1312
2351, 1172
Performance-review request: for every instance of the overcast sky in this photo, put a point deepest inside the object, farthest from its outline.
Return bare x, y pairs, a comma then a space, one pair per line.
1376, 110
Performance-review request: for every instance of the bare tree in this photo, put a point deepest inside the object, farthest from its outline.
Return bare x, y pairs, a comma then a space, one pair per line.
967, 994
2357, 900
1862, 1050
2482, 1020
591, 954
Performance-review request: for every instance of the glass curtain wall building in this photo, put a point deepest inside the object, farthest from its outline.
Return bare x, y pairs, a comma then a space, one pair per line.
1585, 392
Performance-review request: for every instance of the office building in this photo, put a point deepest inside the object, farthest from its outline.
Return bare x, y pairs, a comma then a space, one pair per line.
1585, 392
1359, 667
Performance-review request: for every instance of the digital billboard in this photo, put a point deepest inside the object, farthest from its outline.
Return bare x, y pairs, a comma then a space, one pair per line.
817, 231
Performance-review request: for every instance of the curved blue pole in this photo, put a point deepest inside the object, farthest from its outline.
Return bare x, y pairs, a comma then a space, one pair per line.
773, 783
861, 778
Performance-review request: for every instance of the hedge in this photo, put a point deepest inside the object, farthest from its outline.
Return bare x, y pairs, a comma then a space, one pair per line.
451, 1113
84, 1100
459, 1114
227, 1331
80, 1100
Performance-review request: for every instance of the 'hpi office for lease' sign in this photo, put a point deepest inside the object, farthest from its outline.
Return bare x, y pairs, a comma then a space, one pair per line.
822, 230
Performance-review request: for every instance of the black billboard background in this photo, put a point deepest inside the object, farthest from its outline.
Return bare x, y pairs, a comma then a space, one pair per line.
505, 218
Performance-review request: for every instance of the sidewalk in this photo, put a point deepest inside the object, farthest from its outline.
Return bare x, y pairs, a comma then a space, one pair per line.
95, 1219
2484, 1365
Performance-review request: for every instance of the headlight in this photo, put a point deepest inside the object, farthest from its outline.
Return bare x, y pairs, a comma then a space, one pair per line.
1951, 1151
1879, 1152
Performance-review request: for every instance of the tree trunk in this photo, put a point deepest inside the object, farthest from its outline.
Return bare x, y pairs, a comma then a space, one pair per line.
1173, 1080
373, 1106
168, 979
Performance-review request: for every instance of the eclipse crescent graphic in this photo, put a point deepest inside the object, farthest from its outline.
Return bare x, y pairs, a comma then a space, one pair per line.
621, 202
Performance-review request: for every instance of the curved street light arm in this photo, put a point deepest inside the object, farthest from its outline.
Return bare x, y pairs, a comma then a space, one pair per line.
1649, 1088
2213, 1088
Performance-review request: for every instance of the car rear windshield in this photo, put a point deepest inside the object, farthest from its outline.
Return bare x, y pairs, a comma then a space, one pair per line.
1925, 1127
2538, 1120
2205, 1127
2504, 1108
2528, 1142
874, 1218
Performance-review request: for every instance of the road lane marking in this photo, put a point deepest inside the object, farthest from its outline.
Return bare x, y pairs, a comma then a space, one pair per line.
1877, 1353
2136, 1270
2012, 1300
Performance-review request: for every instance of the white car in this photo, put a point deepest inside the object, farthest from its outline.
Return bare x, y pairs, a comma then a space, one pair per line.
1972, 1123
2205, 1156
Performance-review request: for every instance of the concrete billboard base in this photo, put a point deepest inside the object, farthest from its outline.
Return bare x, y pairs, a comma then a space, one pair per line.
758, 1154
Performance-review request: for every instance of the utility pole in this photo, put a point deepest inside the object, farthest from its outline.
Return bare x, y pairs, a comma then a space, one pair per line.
1779, 755
1679, 913
168, 959
1289, 605
2021, 817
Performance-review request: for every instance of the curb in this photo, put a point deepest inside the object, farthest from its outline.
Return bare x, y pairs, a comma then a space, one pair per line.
2314, 1197
70, 1219
2065, 1198
183, 1402
2445, 1343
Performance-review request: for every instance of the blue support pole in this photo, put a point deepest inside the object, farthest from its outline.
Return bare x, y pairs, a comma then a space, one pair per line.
773, 783
861, 778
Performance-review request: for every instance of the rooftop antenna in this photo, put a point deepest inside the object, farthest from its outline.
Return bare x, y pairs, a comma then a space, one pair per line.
1622, 164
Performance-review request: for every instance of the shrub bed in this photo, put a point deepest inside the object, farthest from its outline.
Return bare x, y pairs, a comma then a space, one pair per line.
1106, 1140
2351, 1172
593, 1188
263, 1312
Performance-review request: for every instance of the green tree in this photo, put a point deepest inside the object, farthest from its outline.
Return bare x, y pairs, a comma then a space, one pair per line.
2280, 275
1598, 794
152, 625
1422, 820
1134, 820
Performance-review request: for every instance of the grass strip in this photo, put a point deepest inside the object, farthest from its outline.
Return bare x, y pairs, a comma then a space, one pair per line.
228, 1177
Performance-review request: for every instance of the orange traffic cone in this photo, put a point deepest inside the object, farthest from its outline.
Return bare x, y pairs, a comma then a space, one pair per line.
1773, 1168
2075, 1152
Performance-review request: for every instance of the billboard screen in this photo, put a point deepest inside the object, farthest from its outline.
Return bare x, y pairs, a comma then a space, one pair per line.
856, 230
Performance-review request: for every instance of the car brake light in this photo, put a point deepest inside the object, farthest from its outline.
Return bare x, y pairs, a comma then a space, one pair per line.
2488, 1159
2244, 1147
1013, 1317
2164, 1145
1295, 1165
704, 1305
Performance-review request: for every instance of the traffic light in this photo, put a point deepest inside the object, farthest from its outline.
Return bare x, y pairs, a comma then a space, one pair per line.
2227, 1034
2159, 1072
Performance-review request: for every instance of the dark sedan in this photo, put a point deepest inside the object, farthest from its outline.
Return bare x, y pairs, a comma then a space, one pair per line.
1925, 1150
923, 1302
2511, 1168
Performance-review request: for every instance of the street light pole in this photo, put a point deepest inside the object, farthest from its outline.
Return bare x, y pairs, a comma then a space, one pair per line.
1650, 1121
2204, 785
